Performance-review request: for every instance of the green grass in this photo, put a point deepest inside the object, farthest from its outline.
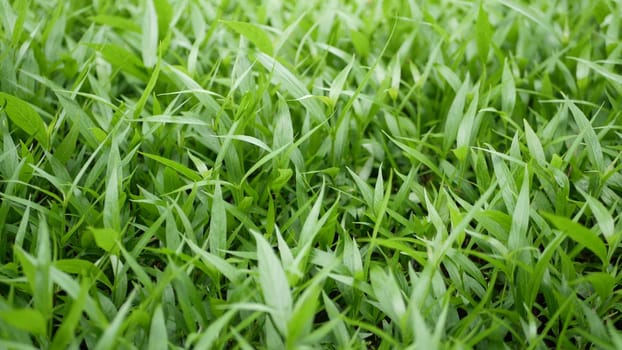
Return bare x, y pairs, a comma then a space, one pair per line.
399, 174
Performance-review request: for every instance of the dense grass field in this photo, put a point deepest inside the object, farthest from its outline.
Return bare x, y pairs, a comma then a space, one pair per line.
398, 174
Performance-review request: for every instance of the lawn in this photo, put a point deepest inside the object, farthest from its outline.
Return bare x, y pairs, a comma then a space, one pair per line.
398, 174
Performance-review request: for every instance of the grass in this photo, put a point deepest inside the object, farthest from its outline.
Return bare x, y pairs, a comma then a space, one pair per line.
324, 174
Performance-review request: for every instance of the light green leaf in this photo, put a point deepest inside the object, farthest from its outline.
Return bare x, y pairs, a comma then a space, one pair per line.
594, 150
352, 257
108, 339
180, 168
114, 176
105, 238
340, 331
121, 58
366, 191
164, 11
292, 85
465, 130
603, 283
388, 294
158, 339
534, 145
312, 225
27, 319
609, 74
145, 95
184, 81
455, 115
273, 283
25, 117
603, 217
218, 224
483, 33
508, 89
83, 267
66, 333
116, 22
150, 35
303, 314
337, 86
221, 265
210, 335
517, 238
530, 13
253, 33
282, 179
360, 42
579, 234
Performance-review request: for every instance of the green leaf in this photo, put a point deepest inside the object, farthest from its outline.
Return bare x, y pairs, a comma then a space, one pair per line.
221, 265
116, 22
449, 75
27, 319
180, 168
145, 95
508, 89
184, 81
388, 294
291, 84
108, 339
340, 331
273, 283
579, 234
121, 58
65, 150
158, 339
25, 117
364, 188
66, 333
464, 137
603, 283
22, 8
303, 313
483, 33
281, 179
253, 33
74, 290
164, 11
336, 88
607, 73
105, 238
211, 334
352, 257
312, 225
531, 14
517, 238
218, 224
360, 42
82, 267
455, 115
594, 150
114, 176
43, 289
602, 215
150, 35
534, 145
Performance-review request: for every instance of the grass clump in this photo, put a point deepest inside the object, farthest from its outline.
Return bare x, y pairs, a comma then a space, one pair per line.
325, 174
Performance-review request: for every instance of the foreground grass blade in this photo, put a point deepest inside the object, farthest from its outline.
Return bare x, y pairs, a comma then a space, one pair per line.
150, 35
273, 283
25, 117
581, 235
